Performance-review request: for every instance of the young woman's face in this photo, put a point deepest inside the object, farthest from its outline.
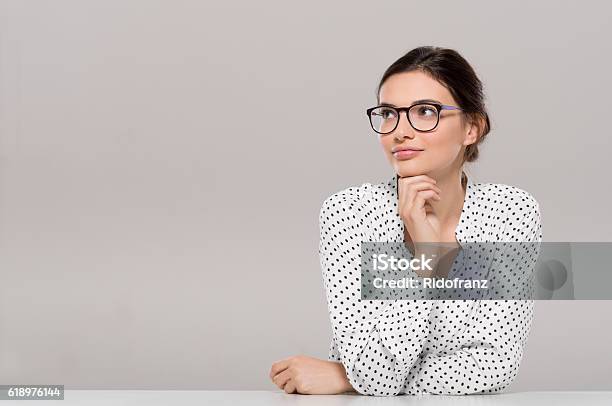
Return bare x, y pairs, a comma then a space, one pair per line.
442, 148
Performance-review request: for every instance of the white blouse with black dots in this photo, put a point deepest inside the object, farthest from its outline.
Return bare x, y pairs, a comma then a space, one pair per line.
423, 346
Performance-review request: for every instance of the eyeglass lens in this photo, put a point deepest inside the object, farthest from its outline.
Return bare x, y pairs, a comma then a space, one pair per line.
423, 117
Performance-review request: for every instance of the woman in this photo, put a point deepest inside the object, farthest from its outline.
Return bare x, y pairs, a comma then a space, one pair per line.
419, 346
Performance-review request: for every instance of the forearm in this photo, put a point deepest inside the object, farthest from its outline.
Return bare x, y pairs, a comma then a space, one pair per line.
486, 358
442, 258
467, 371
378, 354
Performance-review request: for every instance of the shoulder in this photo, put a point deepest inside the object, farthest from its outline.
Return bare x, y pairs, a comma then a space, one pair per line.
354, 201
360, 196
346, 199
512, 213
506, 197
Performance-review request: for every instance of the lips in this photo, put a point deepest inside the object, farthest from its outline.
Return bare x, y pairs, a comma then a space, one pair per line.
406, 153
397, 149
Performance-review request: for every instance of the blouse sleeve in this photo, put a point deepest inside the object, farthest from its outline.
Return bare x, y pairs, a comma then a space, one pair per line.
492, 346
377, 341
333, 354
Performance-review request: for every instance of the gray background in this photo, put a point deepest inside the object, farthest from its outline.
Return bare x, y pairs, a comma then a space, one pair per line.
162, 166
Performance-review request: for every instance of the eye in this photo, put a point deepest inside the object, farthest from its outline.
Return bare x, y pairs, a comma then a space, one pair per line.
426, 111
385, 112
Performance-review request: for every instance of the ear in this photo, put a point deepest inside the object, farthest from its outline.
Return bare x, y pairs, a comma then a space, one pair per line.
474, 128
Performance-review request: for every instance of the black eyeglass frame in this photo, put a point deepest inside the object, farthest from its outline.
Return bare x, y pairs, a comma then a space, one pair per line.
439, 107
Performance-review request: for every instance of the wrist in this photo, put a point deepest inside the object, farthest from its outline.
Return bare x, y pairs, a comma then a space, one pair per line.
343, 382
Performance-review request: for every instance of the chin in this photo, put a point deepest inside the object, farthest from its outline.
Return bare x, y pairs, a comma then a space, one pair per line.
404, 170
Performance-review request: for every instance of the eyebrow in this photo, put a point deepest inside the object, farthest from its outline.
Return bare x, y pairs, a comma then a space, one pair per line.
414, 102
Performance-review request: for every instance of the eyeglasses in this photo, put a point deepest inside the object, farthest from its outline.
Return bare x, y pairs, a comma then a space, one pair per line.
421, 116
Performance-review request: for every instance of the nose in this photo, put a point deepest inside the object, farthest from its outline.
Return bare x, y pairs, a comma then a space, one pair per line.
404, 129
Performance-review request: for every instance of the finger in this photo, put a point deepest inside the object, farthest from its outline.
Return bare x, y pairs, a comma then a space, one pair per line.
409, 183
278, 367
289, 387
417, 206
422, 197
282, 378
413, 189
407, 194
421, 186
405, 182
417, 178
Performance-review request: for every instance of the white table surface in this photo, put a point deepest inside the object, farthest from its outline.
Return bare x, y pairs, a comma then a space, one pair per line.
272, 398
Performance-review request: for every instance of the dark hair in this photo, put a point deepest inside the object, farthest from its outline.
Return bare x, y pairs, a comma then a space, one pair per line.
455, 73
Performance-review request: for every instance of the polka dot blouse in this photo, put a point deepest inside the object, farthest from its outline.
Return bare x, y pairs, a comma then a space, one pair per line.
391, 347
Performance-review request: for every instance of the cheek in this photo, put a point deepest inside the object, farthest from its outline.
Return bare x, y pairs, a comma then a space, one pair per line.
386, 143
446, 144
